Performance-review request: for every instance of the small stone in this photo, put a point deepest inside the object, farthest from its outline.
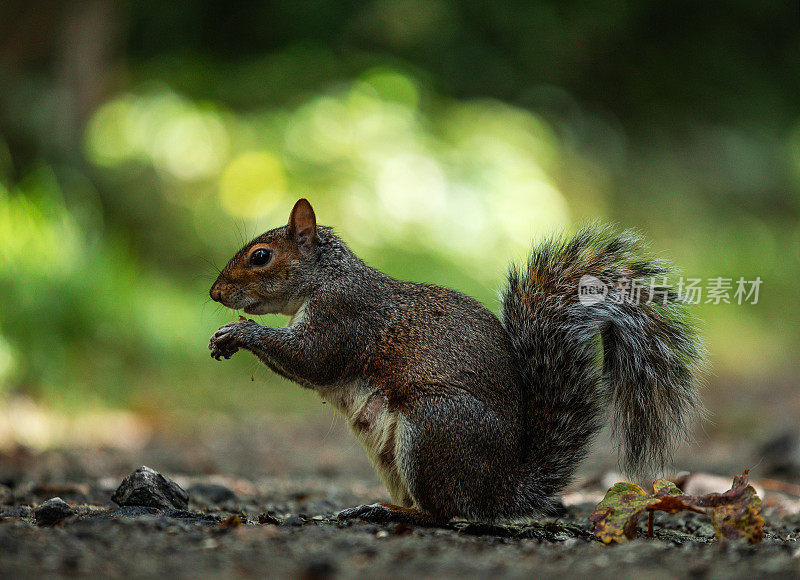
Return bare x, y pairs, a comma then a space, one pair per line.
210, 544
52, 511
6, 495
147, 488
211, 493
293, 521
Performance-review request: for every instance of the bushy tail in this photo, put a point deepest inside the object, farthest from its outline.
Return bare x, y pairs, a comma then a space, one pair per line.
590, 324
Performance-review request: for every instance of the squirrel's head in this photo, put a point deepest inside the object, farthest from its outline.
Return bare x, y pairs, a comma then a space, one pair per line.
270, 275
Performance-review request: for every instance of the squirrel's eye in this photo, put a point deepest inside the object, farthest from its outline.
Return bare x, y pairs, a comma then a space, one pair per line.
260, 257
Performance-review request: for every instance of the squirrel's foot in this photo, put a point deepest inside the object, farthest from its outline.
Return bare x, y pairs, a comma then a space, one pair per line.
380, 513
226, 341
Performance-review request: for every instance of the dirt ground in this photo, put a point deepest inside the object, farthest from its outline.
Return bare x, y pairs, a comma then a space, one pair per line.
285, 480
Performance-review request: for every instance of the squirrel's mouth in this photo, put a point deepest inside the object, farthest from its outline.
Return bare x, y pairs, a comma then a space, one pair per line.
255, 308
239, 302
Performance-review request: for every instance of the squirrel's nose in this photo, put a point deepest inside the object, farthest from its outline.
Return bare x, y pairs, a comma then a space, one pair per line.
215, 293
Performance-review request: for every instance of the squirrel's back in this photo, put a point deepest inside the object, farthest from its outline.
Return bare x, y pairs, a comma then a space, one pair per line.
437, 341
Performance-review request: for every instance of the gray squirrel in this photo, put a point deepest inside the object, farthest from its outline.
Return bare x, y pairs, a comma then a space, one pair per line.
461, 413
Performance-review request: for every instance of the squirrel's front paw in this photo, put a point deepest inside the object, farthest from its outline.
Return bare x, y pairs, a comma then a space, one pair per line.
226, 341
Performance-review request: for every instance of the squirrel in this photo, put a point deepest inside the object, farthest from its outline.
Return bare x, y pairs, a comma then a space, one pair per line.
464, 414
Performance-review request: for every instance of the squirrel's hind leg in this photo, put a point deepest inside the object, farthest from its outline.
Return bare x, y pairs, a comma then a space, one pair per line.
379, 513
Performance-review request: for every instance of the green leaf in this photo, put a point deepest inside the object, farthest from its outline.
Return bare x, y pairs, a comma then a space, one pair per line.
615, 518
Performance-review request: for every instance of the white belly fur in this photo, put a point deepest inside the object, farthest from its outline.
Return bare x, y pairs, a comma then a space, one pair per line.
377, 428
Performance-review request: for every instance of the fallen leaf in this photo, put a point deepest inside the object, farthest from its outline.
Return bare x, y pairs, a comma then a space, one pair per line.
616, 517
735, 514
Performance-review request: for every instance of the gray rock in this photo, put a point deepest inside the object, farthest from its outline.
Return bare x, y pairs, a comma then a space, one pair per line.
147, 488
52, 511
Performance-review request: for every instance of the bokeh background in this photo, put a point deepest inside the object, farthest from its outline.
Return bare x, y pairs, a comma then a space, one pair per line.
142, 142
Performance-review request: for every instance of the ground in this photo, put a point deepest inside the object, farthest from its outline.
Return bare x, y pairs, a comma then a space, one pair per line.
263, 498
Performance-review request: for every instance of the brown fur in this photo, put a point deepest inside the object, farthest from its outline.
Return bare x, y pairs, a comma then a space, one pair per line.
462, 414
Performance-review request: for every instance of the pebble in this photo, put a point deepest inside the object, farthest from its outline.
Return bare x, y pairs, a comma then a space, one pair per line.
52, 511
147, 488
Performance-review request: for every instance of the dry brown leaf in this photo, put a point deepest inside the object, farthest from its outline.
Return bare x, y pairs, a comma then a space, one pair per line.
735, 514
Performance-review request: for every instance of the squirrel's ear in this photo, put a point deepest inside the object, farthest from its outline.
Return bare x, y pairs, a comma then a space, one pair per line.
303, 223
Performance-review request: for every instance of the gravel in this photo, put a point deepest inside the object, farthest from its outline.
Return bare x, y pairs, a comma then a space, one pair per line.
256, 512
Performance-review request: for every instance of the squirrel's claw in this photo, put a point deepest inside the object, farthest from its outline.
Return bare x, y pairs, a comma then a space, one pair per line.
223, 344
375, 513
380, 513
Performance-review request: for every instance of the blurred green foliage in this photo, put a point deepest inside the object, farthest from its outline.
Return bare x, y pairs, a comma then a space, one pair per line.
142, 142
